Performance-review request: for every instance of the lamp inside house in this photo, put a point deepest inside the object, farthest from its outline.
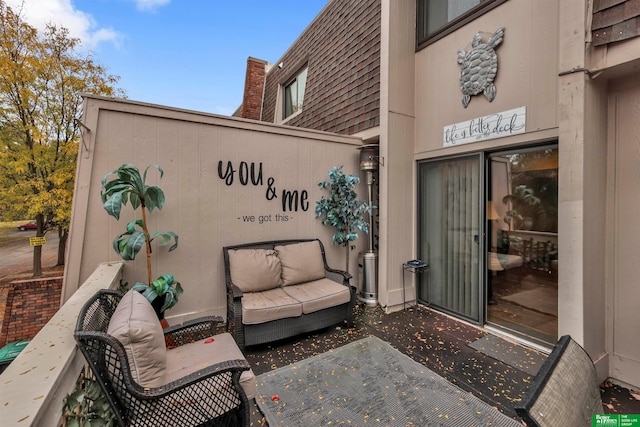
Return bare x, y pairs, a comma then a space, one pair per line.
492, 213
368, 261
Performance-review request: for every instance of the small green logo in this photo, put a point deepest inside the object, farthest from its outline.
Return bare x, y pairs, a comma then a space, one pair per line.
615, 420
610, 420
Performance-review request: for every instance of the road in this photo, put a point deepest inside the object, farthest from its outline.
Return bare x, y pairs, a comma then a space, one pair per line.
16, 256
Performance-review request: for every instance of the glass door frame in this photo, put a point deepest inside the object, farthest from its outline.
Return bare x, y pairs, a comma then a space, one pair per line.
425, 278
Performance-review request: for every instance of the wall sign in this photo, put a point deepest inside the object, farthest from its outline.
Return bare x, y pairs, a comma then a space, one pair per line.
493, 126
250, 174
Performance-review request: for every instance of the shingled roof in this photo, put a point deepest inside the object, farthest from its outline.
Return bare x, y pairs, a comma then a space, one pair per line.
615, 20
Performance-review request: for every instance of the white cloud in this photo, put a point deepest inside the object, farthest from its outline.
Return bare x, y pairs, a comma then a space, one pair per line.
150, 5
81, 25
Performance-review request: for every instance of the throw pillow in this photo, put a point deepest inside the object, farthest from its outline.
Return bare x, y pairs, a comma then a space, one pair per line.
135, 324
301, 262
254, 270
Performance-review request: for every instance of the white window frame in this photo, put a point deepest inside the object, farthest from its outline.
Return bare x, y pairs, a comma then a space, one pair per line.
280, 107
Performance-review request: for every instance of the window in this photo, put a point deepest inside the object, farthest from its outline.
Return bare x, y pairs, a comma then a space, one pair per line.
294, 94
436, 18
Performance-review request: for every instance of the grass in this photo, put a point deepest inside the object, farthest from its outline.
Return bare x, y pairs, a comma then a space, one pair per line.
9, 227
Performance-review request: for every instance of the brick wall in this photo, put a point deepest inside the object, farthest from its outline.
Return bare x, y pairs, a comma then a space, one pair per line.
342, 50
26, 306
253, 89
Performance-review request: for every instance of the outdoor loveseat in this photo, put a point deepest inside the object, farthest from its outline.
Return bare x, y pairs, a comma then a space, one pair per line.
185, 375
281, 288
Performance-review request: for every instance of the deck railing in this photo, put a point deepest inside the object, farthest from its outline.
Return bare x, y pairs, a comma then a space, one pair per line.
34, 385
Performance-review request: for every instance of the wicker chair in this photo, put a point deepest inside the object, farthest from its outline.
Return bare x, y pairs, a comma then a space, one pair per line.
211, 396
565, 392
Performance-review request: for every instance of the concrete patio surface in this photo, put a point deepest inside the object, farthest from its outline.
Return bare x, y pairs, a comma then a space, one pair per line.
442, 344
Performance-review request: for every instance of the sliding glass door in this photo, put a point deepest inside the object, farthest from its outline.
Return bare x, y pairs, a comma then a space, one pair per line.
522, 247
450, 239
488, 228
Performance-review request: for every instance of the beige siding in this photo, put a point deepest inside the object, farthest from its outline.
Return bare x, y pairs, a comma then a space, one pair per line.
623, 243
201, 208
397, 214
527, 73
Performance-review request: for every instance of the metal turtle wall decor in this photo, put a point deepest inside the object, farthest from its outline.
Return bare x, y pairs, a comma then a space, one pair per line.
479, 66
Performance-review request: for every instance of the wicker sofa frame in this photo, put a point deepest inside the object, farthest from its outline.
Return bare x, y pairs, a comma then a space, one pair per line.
246, 335
211, 396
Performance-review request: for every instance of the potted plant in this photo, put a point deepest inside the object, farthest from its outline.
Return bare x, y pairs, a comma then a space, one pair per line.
342, 209
129, 186
520, 202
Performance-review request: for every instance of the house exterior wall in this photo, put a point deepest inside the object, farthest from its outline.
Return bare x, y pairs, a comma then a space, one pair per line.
527, 76
342, 50
397, 212
211, 199
569, 85
623, 231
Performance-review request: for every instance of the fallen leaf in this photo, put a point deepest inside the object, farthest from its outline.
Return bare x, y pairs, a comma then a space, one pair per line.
209, 340
635, 394
275, 398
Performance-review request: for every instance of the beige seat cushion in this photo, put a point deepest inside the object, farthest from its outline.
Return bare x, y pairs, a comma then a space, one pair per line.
319, 294
254, 270
135, 324
274, 304
301, 262
189, 358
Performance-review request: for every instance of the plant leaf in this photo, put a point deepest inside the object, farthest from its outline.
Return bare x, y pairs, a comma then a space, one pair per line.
113, 205
154, 198
167, 236
135, 200
134, 243
131, 227
146, 291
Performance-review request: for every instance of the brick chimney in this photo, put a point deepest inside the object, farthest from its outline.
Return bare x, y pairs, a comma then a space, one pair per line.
253, 89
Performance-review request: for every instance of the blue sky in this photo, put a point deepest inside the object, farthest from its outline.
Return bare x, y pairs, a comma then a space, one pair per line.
183, 53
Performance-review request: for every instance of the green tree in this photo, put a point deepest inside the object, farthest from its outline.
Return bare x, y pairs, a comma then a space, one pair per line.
342, 209
42, 77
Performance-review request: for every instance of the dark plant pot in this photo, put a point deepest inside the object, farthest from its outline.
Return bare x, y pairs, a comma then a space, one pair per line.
157, 306
503, 242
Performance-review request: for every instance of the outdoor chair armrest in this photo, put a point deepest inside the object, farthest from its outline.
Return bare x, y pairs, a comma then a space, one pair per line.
210, 373
338, 275
234, 290
192, 330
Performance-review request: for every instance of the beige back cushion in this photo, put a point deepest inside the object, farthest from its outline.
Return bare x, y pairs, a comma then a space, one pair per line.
135, 324
254, 270
301, 262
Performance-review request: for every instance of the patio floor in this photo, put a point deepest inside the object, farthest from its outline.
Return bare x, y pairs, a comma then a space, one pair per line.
439, 342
